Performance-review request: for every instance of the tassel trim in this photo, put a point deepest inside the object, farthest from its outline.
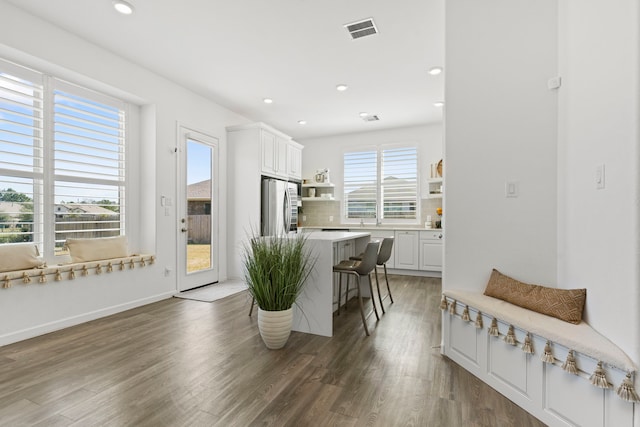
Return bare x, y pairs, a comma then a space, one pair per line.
493, 329
98, 269
599, 377
510, 338
72, 274
626, 391
465, 314
43, 278
85, 271
6, 282
527, 347
58, 277
26, 279
443, 303
121, 264
547, 356
479, 324
452, 307
109, 267
569, 365
132, 264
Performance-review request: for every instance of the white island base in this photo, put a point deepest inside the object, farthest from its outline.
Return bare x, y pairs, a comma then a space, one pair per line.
313, 312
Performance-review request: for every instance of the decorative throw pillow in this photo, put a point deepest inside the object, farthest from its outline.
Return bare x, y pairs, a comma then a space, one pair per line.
19, 256
564, 304
83, 250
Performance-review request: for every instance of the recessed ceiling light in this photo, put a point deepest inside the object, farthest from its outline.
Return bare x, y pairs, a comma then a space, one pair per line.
302, 122
363, 114
267, 101
438, 104
123, 7
434, 71
342, 87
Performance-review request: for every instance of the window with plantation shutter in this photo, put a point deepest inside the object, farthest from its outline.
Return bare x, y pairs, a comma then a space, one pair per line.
89, 164
360, 184
62, 161
399, 184
381, 184
21, 155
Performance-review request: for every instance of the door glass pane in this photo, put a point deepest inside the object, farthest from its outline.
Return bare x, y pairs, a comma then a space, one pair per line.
199, 185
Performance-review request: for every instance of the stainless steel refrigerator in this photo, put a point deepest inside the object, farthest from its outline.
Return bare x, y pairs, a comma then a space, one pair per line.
279, 207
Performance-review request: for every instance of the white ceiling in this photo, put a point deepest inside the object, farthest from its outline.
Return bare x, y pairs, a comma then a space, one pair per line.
237, 52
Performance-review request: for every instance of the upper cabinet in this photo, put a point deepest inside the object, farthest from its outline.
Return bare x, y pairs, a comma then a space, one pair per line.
281, 156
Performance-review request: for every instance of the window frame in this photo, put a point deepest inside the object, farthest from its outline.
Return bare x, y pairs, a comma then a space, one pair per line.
380, 148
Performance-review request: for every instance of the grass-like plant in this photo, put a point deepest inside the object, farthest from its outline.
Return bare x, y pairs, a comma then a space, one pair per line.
276, 268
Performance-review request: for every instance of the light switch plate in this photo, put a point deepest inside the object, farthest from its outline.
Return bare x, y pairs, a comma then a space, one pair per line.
511, 189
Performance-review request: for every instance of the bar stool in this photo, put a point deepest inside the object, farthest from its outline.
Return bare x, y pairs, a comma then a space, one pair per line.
383, 257
364, 267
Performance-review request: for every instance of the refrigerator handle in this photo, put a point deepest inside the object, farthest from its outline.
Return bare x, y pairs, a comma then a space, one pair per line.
287, 211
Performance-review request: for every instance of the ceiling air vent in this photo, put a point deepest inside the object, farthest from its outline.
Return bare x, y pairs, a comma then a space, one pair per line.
362, 28
371, 118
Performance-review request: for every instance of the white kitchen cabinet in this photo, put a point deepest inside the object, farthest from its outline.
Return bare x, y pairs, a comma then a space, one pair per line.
274, 150
407, 250
431, 250
294, 161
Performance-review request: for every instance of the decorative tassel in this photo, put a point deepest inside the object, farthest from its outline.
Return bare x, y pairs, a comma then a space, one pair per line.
452, 307
626, 390
43, 278
493, 329
98, 269
142, 263
85, 271
109, 267
465, 314
7, 282
58, 276
547, 357
25, 278
152, 260
479, 324
132, 264
443, 303
527, 347
569, 365
72, 274
121, 264
510, 338
599, 377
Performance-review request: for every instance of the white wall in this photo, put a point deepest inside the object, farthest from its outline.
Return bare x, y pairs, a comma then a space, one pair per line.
598, 244
327, 152
30, 310
500, 125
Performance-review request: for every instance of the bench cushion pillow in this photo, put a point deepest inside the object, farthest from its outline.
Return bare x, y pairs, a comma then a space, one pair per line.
83, 250
19, 256
564, 304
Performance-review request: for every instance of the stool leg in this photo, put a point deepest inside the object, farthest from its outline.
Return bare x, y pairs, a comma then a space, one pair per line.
387, 279
346, 294
340, 290
373, 299
379, 294
253, 301
364, 319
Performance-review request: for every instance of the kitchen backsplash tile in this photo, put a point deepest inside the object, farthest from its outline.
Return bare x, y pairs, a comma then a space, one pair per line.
319, 213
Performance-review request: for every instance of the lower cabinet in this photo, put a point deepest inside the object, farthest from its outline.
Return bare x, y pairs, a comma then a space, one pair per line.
431, 250
406, 250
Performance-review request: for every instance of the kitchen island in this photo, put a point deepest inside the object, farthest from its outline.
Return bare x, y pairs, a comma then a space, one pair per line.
313, 312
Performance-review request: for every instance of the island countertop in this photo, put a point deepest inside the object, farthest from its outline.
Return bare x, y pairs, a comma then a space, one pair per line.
335, 236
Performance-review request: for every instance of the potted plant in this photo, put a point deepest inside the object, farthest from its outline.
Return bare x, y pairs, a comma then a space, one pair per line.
275, 270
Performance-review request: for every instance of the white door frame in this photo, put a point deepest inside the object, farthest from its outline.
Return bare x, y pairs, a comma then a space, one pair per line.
199, 278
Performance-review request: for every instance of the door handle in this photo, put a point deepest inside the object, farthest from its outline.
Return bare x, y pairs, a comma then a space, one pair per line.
184, 230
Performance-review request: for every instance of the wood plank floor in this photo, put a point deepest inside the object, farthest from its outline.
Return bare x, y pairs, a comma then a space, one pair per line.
189, 363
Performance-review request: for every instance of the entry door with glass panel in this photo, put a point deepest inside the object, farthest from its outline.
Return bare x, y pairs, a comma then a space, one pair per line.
198, 223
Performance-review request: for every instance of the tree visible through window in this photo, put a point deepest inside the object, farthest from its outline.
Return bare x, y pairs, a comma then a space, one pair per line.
381, 184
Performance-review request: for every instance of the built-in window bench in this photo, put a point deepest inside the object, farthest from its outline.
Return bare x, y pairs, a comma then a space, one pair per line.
562, 373
70, 271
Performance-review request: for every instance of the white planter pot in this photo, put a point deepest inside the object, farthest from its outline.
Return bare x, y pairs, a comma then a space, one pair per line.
275, 327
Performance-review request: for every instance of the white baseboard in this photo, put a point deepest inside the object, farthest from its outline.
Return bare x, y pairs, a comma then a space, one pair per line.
46, 328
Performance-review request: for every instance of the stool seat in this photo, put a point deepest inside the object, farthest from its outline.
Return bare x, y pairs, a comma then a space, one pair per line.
383, 256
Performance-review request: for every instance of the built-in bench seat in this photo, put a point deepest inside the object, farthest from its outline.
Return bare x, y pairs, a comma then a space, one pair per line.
547, 390
72, 270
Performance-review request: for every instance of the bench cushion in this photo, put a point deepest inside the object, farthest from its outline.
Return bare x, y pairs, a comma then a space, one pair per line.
83, 250
19, 256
